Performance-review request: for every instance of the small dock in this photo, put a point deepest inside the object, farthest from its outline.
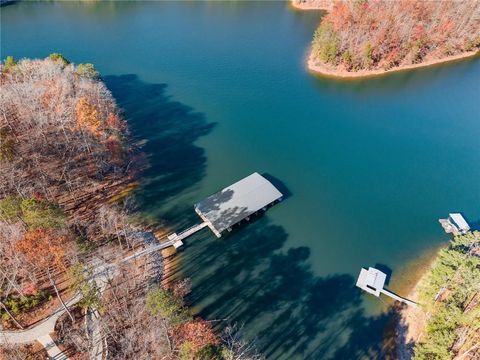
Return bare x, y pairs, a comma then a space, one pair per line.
455, 224
373, 282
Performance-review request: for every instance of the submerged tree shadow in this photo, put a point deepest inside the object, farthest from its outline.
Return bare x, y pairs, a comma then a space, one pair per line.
168, 130
248, 278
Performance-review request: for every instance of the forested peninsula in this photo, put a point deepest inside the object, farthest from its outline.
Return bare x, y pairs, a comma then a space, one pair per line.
364, 38
68, 229
446, 325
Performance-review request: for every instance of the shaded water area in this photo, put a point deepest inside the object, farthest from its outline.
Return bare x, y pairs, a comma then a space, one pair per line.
216, 91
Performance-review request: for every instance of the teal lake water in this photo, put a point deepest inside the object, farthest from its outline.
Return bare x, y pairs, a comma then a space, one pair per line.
218, 91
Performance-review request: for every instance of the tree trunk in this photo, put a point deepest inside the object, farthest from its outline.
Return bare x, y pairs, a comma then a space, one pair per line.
58, 295
166, 335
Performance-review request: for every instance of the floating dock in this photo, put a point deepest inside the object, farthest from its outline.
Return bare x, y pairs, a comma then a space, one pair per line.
232, 205
455, 224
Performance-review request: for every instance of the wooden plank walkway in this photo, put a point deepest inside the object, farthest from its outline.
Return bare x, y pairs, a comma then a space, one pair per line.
397, 297
449, 229
173, 238
190, 231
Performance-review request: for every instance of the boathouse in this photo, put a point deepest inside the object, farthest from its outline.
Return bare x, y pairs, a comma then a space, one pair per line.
237, 202
373, 282
455, 223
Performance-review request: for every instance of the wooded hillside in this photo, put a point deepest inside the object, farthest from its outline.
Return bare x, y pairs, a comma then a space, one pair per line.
381, 35
66, 166
63, 155
450, 295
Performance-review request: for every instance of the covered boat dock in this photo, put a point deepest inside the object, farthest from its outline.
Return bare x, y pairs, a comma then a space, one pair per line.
455, 224
237, 202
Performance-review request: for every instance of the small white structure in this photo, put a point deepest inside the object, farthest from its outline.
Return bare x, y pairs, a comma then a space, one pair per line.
458, 221
373, 281
177, 244
175, 240
455, 223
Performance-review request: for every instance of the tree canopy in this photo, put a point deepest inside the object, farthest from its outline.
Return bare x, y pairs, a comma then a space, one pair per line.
59, 58
33, 212
164, 303
451, 293
366, 34
87, 71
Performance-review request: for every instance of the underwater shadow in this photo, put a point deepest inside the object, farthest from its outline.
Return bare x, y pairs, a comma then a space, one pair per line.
279, 184
251, 278
4, 3
168, 130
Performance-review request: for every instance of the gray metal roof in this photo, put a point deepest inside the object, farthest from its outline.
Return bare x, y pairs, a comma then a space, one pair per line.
234, 203
371, 280
460, 222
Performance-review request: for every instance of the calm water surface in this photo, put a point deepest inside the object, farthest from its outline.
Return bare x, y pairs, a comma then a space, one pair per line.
219, 90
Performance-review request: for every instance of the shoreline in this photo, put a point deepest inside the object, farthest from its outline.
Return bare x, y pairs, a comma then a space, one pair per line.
409, 328
412, 319
326, 71
321, 69
308, 6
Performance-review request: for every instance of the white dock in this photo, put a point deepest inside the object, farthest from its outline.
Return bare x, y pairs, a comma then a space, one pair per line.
240, 200
455, 224
373, 281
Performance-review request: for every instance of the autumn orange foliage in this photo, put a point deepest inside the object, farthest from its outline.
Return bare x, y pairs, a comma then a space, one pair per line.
115, 122
373, 34
87, 115
197, 333
44, 248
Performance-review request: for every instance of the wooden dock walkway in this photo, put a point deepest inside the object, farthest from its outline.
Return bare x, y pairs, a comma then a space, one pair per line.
173, 240
398, 298
448, 227
186, 233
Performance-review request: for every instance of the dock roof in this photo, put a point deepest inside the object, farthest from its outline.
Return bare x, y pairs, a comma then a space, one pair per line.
371, 280
236, 202
460, 222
